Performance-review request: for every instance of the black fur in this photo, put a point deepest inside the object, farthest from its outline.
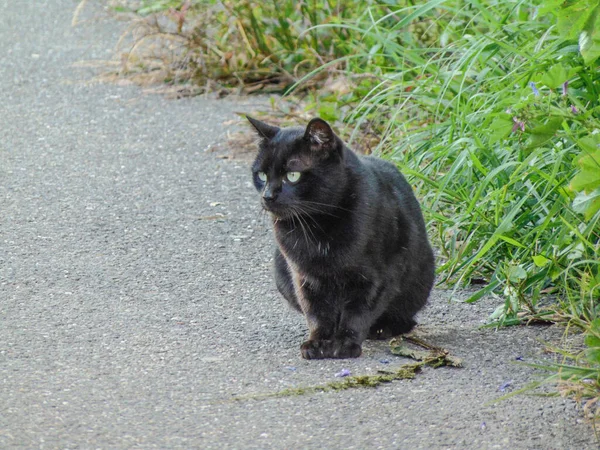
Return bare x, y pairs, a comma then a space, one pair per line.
353, 255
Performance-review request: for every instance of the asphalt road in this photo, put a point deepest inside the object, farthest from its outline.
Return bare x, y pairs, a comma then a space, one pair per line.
132, 314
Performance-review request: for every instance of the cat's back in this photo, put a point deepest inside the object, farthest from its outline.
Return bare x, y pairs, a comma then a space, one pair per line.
389, 179
393, 206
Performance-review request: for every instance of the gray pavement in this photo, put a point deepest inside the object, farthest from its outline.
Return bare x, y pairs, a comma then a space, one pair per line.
131, 318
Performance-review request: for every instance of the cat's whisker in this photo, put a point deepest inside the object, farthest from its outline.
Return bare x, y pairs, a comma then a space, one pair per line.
310, 236
305, 209
264, 216
316, 241
294, 226
308, 209
328, 205
306, 214
313, 209
260, 216
294, 214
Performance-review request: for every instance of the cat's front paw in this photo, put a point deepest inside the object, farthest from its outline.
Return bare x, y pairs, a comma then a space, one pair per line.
321, 349
345, 350
314, 349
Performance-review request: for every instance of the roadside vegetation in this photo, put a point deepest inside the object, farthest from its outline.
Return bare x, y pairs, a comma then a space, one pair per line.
491, 108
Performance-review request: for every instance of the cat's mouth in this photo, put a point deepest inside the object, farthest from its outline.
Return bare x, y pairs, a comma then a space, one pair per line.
274, 209
277, 210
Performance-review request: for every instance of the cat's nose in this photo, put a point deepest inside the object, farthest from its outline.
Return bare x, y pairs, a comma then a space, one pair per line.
269, 195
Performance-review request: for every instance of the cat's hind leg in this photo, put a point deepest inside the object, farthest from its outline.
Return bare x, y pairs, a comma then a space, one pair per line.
386, 327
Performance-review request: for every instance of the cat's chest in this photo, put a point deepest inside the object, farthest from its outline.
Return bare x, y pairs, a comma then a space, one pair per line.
309, 249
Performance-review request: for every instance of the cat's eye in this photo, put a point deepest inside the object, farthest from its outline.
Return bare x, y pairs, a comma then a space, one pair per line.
262, 177
293, 177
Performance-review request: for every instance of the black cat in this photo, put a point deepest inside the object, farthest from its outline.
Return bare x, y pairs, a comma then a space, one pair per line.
353, 254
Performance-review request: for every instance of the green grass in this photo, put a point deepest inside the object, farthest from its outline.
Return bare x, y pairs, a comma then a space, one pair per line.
491, 108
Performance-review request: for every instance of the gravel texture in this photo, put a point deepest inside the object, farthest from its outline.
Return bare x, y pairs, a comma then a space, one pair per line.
136, 297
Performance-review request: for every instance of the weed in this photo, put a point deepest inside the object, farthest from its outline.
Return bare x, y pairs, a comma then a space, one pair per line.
435, 357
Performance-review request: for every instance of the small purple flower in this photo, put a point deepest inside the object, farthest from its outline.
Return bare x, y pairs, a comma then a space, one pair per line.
565, 86
518, 125
384, 361
574, 110
505, 386
343, 373
534, 89
519, 358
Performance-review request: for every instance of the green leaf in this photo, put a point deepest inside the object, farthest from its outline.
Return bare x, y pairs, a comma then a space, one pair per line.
589, 38
543, 133
498, 313
573, 18
581, 20
511, 241
587, 204
555, 76
590, 144
483, 292
592, 341
516, 273
586, 180
500, 128
593, 355
590, 162
540, 260
595, 327
589, 178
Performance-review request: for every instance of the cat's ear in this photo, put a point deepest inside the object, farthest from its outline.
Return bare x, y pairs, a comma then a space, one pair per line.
265, 130
320, 135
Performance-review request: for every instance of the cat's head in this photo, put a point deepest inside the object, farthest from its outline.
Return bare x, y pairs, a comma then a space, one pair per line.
298, 171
